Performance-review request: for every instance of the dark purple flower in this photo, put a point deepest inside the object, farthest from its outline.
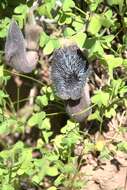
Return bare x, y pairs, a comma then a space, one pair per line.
15, 51
69, 77
69, 72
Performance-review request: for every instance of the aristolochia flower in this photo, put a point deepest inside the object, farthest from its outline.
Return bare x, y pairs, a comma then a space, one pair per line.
16, 55
69, 72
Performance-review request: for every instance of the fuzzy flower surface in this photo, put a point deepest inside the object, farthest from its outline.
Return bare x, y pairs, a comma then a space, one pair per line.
15, 51
69, 72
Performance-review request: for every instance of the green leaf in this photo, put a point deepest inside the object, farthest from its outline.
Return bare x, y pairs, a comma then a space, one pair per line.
25, 161
18, 145
48, 49
105, 153
20, 14
72, 138
125, 21
37, 118
21, 9
52, 171
112, 62
52, 97
52, 156
46, 135
37, 178
125, 38
44, 38
94, 47
4, 25
7, 126
45, 124
50, 46
42, 100
46, 8
59, 180
101, 98
116, 86
125, 63
79, 38
110, 113
114, 2
69, 127
69, 168
58, 141
41, 166
106, 41
95, 116
1, 71
3, 128
123, 91
94, 24
64, 18
122, 146
78, 23
68, 4
88, 146
106, 19
8, 187
2, 97
94, 4
68, 32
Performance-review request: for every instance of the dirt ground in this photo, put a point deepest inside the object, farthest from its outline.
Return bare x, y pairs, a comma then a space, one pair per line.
110, 175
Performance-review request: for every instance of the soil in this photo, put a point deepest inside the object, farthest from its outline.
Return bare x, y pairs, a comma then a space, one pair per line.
111, 175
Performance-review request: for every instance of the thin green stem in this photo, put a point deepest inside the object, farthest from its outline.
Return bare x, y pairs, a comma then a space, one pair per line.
22, 100
11, 103
83, 111
25, 76
18, 94
78, 9
57, 113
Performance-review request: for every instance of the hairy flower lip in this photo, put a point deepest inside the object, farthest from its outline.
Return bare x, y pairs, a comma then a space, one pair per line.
69, 72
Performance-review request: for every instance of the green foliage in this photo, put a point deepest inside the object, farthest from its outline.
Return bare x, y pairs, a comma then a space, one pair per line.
108, 101
48, 43
122, 146
20, 14
4, 26
96, 26
46, 8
